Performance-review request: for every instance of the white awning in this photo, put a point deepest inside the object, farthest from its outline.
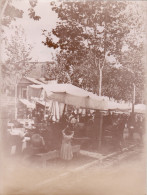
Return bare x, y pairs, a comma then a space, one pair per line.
27, 103
71, 95
119, 107
140, 108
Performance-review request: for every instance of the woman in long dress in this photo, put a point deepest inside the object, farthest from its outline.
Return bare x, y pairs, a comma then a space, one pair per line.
66, 147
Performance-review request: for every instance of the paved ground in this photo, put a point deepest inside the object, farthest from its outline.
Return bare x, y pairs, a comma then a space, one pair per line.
119, 175
122, 175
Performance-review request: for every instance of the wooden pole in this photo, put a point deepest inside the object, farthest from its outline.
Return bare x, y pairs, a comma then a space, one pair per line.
133, 99
45, 110
100, 82
64, 110
100, 131
15, 101
27, 93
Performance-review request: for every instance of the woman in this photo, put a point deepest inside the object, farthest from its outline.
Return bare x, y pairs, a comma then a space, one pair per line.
66, 148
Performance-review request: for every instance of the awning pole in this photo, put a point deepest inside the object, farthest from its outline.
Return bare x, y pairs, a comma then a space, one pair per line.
15, 101
133, 99
27, 93
100, 131
64, 110
45, 110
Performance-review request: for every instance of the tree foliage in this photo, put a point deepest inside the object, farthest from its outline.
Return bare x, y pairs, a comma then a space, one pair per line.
16, 65
32, 13
89, 33
10, 13
16, 48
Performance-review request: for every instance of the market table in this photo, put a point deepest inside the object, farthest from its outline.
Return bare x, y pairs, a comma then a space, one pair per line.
17, 131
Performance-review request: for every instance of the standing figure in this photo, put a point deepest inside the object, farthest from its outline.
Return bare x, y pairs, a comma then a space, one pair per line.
131, 127
66, 147
125, 136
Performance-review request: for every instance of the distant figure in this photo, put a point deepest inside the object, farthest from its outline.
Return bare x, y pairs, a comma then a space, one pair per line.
116, 136
136, 133
122, 124
125, 136
131, 127
66, 147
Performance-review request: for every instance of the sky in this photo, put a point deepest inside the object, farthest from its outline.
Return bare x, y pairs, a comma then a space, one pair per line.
33, 29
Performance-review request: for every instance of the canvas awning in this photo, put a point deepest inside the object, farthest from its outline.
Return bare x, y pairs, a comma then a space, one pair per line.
44, 104
140, 108
27, 103
119, 107
34, 91
70, 95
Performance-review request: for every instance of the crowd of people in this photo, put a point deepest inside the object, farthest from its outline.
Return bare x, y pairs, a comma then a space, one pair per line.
46, 135
125, 129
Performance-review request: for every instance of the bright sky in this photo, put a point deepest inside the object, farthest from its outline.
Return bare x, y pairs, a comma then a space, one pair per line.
33, 29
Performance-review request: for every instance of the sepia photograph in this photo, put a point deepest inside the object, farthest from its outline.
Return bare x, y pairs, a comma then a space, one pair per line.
73, 97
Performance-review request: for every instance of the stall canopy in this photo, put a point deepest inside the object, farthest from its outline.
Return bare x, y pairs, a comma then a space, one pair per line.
35, 91
70, 95
27, 103
119, 107
140, 108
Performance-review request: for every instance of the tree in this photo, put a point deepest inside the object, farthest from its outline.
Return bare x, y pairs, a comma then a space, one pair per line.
17, 49
9, 12
89, 33
57, 71
32, 13
16, 64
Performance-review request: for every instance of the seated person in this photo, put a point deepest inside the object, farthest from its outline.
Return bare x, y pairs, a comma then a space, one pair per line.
36, 145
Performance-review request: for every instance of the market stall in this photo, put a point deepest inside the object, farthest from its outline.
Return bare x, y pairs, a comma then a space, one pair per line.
69, 95
140, 108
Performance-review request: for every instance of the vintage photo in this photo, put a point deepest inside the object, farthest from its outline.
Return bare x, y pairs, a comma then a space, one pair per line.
73, 97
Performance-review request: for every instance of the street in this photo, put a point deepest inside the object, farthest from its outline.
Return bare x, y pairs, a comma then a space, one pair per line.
123, 174
125, 177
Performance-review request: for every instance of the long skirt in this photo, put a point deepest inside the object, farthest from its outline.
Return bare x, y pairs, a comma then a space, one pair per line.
66, 151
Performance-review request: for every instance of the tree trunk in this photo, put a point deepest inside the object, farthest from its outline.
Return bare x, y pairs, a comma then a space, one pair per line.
15, 101
45, 109
100, 82
133, 99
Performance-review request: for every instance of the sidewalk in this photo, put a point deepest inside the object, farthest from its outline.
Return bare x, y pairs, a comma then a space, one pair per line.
100, 159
